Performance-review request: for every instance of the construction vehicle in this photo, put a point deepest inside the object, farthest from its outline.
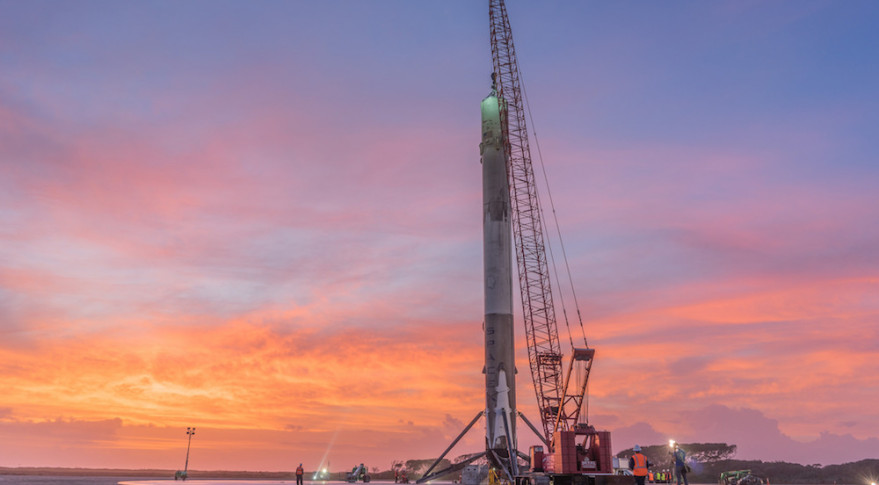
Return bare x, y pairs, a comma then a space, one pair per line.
741, 477
358, 473
621, 466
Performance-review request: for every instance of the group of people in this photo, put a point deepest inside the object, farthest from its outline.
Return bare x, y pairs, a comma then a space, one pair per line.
640, 465
659, 477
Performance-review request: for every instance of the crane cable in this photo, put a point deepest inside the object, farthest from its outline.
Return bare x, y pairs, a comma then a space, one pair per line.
543, 225
558, 282
558, 229
561, 244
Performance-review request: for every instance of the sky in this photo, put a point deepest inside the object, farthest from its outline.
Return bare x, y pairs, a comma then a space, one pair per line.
262, 219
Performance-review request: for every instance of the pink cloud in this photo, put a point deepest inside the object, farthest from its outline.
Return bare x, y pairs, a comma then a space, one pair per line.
755, 436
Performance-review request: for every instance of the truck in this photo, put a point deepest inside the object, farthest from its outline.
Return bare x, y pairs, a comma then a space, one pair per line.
741, 477
358, 473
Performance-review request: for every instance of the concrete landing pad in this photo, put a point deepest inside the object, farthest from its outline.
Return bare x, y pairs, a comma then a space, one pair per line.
247, 482
207, 482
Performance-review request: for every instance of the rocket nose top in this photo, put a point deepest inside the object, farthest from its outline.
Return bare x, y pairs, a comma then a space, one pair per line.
491, 123
491, 108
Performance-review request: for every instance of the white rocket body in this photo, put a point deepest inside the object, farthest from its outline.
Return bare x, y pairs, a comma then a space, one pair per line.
500, 367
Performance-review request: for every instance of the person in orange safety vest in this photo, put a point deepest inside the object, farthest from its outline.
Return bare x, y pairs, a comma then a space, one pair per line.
639, 464
299, 472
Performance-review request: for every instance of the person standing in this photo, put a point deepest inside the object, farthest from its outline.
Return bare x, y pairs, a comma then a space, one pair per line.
299, 472
639, 464
680, 464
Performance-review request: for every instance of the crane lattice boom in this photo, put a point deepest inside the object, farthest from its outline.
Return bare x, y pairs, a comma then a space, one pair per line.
544, 353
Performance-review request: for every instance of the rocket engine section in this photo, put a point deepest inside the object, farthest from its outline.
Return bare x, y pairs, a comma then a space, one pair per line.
500, 370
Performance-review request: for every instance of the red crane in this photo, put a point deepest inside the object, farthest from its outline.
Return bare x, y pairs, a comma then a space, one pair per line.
560, 401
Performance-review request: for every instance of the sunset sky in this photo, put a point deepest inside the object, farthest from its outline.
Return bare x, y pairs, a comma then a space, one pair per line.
263, 219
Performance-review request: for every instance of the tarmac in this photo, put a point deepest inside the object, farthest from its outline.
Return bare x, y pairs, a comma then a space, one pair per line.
241, 482
207, 482
219, 482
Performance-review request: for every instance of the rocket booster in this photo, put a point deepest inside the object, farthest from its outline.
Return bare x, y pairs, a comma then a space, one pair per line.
500, 370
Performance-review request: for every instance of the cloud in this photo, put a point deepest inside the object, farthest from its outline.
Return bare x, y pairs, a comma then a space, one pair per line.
113, 222
219, 372
72, 432
759, 437
756, 436
640, 433
276, 233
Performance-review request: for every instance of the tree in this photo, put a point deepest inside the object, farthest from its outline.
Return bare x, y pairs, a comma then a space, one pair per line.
709, 452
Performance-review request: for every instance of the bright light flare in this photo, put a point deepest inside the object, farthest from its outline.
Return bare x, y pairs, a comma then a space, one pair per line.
671, 444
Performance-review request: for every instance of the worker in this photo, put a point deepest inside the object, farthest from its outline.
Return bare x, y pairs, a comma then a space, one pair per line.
299, 472
680, 464
493, 478
639, 464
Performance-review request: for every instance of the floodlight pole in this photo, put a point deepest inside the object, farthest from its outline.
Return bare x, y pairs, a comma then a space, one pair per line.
189, 432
